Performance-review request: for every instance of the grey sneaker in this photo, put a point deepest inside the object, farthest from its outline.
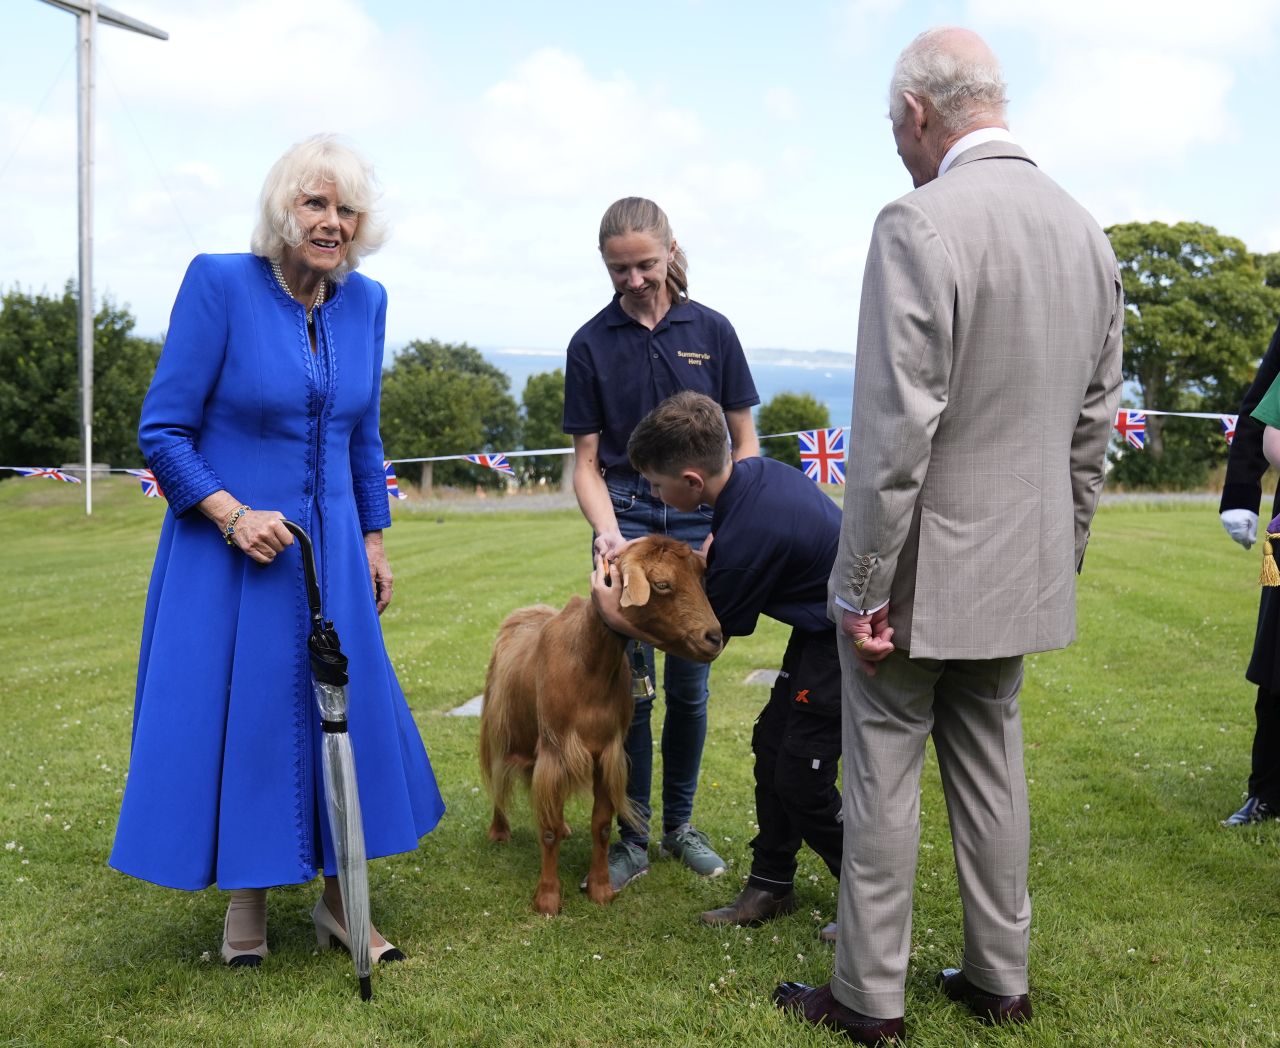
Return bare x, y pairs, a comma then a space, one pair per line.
693, 849
626, 863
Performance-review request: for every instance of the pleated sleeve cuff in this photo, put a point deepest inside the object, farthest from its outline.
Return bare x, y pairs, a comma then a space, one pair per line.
184, 476
371, 501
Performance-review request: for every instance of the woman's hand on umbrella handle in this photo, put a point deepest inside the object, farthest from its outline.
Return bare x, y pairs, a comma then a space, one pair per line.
261, 535
379, 570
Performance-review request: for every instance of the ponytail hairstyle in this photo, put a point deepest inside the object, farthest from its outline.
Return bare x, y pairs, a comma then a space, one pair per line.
638, 215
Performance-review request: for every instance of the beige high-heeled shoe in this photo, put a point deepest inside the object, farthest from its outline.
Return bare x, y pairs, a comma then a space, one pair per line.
329, 933
243, 899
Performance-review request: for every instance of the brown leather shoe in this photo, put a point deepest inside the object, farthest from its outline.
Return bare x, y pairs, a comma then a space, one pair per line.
989, 1007
817, 1005
753, 907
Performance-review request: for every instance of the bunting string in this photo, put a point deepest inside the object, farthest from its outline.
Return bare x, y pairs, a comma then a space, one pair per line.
822, 453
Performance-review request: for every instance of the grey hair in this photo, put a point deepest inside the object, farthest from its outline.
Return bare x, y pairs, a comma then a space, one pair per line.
304, 168
638, 215
959, 89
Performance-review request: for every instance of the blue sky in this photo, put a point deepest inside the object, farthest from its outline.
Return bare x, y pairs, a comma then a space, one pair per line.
501, 131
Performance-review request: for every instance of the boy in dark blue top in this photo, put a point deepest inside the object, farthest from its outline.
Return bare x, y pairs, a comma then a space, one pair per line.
773, 541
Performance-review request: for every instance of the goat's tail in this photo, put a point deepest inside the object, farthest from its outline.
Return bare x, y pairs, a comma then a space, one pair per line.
614, 768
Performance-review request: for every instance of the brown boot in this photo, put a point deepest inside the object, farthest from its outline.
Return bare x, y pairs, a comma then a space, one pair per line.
753, 907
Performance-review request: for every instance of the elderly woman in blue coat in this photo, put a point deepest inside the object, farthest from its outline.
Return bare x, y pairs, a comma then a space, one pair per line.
264, 406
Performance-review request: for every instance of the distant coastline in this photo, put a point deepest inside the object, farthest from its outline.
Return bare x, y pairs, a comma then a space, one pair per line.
826, 375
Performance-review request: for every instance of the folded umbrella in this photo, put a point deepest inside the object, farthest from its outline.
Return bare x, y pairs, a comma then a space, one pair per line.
342, 798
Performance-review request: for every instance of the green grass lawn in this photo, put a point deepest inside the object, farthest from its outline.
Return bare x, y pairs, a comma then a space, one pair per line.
1152, 925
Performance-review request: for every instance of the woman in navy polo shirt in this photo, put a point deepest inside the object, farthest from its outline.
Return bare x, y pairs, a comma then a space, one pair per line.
649, 342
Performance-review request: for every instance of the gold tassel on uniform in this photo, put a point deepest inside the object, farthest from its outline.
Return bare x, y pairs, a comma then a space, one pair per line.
1270, 574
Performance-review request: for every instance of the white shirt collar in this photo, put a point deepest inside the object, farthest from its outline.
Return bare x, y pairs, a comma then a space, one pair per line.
974, 138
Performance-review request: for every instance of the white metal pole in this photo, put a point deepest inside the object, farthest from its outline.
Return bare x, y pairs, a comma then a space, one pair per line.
88, 13
88, 24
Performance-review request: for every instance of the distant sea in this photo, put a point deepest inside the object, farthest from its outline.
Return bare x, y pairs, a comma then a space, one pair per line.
826, 375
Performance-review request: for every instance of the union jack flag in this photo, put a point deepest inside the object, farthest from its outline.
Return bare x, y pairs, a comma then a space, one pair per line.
393, 485
1132, 427
42, 471
1229, 426
822, 455
150, 486
498, 462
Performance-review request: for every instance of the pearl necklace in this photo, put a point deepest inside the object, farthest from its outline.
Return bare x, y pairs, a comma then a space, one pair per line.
279, 273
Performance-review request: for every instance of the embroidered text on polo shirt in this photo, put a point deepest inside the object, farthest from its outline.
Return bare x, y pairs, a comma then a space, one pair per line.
695, 359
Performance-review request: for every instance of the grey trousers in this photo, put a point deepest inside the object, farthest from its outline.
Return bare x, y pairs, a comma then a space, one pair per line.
971, 709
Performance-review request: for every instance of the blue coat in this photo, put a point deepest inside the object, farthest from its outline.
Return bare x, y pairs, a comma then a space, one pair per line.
224, 779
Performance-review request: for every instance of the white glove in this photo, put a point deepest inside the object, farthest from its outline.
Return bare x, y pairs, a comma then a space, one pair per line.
1241, 525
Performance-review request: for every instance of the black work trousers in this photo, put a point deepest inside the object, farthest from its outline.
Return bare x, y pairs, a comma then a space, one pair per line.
797, 749
1264, 776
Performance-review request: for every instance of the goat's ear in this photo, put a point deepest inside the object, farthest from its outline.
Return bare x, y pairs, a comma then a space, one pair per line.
635, 586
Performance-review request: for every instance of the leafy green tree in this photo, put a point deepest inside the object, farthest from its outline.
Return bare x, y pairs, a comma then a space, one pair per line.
1199, 313
1269, 265
788, 413
543, 411
444, 398
40, 381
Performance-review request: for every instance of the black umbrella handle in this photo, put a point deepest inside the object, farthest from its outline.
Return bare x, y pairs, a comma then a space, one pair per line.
308, 568
327, 661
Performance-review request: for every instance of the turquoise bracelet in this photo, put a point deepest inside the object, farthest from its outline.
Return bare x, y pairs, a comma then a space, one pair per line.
229, 531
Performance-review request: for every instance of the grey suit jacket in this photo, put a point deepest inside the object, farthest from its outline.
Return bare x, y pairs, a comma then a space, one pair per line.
986, 384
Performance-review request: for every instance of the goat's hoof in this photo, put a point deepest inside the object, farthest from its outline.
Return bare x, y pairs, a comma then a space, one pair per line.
565, 830
601, 893
548, 905
501, 834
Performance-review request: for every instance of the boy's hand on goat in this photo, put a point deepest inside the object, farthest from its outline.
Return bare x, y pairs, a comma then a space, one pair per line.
607, 597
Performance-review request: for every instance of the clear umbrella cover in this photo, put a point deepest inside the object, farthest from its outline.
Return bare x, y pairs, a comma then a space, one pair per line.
342, 798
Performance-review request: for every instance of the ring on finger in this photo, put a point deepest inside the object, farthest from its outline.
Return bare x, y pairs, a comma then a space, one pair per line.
858, 642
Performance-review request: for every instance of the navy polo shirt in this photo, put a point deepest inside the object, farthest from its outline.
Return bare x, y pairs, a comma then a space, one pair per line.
617, 371
775, 543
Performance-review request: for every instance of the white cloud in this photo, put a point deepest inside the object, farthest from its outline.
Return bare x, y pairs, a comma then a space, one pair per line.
323, 62
860, 24
1131, 83
1099, 106
1192, 26
781, 103
551, 130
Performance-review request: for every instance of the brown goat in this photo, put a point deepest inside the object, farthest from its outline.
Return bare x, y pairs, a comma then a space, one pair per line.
558, 703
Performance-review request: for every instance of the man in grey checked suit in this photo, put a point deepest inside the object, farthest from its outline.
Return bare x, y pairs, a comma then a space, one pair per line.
988, 374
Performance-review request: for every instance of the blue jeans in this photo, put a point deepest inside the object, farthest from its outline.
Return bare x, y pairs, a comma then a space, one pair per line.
684, 683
